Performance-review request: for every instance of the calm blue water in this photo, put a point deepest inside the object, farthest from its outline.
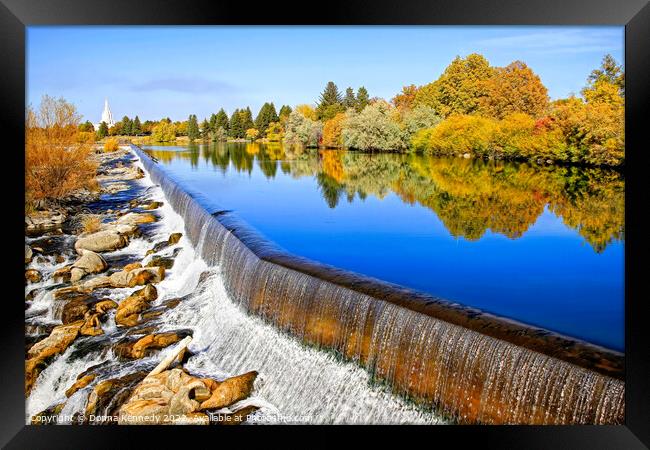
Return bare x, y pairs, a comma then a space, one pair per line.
541, 245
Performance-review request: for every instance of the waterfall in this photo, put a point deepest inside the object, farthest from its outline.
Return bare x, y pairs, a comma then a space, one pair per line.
465, 364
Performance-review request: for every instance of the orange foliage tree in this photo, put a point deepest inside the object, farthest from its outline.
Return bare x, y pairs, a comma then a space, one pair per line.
56, 159
332, 131
514, 89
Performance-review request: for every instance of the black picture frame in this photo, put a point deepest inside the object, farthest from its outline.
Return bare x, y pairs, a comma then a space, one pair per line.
15, 15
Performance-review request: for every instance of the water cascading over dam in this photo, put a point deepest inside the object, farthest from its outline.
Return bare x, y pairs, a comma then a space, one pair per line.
468, 365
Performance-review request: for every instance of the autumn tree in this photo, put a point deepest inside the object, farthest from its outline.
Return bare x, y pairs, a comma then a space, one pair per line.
56, 162
609, 71
275, 132
252, 133
513, 89
164, 131
332, 131
406, 98
460, 88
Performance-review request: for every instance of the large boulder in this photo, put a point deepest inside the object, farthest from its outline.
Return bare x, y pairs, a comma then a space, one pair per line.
101, 241
28, 254
138, 348
39, 354
137, 276
107, 396
89, 262
174, 396
136, 218
128, 311
33, 276
229, 391
42, 221
82, 382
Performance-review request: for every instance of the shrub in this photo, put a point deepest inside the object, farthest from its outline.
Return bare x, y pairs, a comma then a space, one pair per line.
373, 129
85, 137
111, 145
302, 130
458, 134
91, 223
415, 119
56, 163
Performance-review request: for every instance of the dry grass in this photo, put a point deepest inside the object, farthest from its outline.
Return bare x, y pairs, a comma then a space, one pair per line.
91, 223
56, 163
111, 145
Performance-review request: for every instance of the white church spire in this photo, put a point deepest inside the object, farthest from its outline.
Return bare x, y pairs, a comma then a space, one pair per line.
107, 115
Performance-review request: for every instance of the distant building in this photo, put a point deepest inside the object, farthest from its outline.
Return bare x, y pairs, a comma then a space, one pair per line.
107, 116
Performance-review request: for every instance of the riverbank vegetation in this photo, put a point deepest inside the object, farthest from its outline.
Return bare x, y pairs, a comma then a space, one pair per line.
472, 109
56, 153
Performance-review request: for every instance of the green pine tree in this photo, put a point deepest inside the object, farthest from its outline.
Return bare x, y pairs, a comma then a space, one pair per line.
103, 130
284, 112
330, 102
126, 126
236, 129
266, 115
136, 126
205, 129
222, 120
192, 127
349, 101
362, 98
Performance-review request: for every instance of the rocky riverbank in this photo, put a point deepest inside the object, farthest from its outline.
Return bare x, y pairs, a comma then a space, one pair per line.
95, 300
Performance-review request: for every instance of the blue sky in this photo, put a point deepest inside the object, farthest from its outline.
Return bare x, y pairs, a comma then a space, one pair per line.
156, 72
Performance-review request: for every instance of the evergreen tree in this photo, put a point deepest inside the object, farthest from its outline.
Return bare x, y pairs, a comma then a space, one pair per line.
247, 119
362, 98
136, 126
285, 111
213, 122
330, 102
266, 115
222, 120
205, 129
192, 127
126, 126
103, 130
236, 128
349, 101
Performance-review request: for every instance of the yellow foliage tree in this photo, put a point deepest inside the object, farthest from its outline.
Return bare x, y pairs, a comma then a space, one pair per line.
307, 111
252, 133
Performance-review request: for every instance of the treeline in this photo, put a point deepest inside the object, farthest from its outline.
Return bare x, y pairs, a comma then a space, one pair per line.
475, 109
472, 109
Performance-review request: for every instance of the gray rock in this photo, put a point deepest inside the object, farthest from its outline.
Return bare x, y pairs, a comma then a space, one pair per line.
101, 241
